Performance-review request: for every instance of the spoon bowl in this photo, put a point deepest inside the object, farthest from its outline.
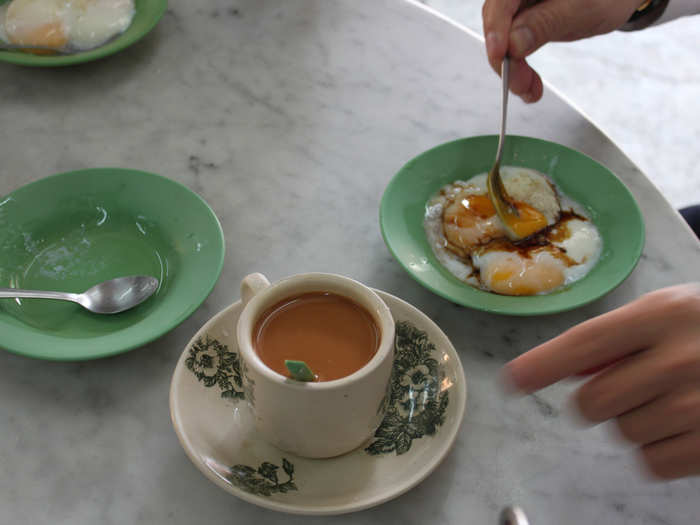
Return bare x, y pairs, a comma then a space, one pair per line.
109, 297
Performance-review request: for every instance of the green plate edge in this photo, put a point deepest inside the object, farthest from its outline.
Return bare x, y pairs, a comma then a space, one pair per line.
78, 350
148, 14
399, 223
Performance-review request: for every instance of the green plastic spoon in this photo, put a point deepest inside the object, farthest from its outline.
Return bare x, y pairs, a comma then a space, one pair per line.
300, 371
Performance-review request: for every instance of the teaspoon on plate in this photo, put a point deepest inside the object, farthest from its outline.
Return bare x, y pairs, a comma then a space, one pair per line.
108, 297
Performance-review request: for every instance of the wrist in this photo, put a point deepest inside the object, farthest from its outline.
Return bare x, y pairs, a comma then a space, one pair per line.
645, 15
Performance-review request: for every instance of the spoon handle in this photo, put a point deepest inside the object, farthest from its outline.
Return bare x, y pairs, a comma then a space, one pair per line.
513, 516
505, 77
37, 294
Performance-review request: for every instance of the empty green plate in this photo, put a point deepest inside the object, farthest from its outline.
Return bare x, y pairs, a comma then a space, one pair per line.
148, 13
71, 231
609, 203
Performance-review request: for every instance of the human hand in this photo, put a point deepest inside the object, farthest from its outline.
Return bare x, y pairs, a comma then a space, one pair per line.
652, 388
519, 27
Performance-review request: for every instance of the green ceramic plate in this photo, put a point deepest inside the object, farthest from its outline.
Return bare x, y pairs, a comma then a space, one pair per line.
608, 201
148, 13
70, 231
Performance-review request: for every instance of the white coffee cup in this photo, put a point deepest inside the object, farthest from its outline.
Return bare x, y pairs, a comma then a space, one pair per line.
314, 419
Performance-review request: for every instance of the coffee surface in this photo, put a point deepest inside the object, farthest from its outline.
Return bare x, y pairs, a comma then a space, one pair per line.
332, 334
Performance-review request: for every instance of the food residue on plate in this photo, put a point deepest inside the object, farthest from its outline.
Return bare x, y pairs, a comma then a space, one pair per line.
64, 25
470, 241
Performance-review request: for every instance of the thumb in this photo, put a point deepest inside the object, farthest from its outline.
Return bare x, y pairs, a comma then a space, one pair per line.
562, 20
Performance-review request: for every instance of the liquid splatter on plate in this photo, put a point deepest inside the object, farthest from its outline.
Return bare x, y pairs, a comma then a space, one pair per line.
70, 231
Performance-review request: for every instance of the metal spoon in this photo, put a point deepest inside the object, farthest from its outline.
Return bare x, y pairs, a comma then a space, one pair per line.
513, 516
505, 209
109, 297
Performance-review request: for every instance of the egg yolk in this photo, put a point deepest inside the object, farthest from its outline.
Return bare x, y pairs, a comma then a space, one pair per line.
51, 35
470, 221
479, 205
530, 220
517, 276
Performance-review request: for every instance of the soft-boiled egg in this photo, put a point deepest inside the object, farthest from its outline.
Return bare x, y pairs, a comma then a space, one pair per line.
64, 25
509, 273
469, 239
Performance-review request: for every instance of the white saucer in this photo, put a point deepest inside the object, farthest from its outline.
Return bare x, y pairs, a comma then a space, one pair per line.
215, 427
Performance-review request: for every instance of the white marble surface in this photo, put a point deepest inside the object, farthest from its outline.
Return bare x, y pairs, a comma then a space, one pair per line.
290, 118
640, 88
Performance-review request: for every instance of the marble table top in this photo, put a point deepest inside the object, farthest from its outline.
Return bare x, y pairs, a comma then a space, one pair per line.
290, 118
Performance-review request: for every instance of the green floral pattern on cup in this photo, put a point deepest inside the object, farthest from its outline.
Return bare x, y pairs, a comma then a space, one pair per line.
213, 364
416, 405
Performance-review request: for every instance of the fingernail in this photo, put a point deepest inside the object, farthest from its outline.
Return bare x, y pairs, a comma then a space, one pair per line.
522, 40
509, 382
573, 415
528, 98
616, 435
492, 40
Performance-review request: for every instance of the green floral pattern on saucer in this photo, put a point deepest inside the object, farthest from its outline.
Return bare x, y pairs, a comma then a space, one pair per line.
263, 481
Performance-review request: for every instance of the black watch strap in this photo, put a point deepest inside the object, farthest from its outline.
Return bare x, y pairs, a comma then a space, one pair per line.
648, 13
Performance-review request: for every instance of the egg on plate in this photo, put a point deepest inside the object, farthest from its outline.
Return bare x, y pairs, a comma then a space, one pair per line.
470, 241
64, 25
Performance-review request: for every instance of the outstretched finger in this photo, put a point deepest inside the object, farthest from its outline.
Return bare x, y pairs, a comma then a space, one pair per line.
672, 458
669, 415
598, 341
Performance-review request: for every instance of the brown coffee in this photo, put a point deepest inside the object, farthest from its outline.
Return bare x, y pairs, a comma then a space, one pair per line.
332, 334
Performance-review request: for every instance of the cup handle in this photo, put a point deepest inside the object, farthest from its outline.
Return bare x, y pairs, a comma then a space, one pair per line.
251, 285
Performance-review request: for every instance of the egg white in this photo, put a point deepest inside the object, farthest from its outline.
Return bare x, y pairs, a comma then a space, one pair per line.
540, 274
583, 245
93, 22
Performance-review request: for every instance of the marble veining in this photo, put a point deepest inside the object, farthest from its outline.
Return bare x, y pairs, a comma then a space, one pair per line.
290, 118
